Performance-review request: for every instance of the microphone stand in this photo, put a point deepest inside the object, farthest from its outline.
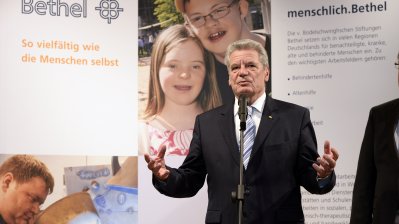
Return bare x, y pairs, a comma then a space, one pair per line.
239, 194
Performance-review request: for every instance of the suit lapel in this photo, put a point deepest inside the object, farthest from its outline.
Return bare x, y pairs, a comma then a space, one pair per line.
388, 117
391, 119
268, 120
227, 128
396, 116
394, 121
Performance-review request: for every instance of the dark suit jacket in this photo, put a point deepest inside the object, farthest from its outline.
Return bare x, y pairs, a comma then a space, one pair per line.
275, 172
375, 194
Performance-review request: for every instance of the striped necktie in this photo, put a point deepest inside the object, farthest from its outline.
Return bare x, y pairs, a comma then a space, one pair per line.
249, 137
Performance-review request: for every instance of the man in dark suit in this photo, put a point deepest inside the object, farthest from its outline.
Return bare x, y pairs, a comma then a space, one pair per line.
283, 157
376, 190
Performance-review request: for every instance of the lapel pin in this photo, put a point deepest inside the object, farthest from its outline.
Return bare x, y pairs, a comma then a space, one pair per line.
270, 116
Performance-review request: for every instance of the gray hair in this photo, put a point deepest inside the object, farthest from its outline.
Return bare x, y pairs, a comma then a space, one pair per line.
246, 44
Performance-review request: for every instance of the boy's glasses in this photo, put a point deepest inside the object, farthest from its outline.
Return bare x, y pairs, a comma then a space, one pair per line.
397, 65
218, 13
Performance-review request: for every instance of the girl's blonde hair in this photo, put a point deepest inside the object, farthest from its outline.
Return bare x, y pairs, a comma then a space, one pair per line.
209, 96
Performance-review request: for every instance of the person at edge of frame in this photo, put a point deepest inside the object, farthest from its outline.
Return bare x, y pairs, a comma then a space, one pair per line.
25, 184
376, 190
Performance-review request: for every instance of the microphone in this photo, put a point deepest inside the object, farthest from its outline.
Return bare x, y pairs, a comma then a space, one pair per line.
242, 111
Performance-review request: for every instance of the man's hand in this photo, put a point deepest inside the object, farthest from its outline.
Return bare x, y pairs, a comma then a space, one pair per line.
325, 164
26, 220
157, 164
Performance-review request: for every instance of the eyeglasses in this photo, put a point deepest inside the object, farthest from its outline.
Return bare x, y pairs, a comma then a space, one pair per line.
397, 65
218, 13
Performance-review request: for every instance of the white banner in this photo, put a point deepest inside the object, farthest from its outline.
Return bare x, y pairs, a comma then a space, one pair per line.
335, 58
68, 77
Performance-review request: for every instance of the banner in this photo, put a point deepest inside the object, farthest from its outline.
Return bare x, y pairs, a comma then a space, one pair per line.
337, 59
72, 84
68, 77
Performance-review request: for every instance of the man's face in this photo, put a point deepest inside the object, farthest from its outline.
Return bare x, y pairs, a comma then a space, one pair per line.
247, 76
22, 200
217, 34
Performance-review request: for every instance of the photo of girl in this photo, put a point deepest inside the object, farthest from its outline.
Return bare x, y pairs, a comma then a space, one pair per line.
182, 85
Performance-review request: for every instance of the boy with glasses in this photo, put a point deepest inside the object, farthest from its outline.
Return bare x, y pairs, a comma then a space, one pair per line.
218, 24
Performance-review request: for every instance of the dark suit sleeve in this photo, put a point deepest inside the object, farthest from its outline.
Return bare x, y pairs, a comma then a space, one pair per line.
189, 178
308, 151
363, 191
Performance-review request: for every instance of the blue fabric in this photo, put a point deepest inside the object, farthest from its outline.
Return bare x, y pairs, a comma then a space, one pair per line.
249, 137
115, 204
397, 135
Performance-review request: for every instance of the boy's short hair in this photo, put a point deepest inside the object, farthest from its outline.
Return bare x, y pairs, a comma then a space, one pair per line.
180, 5
26, 167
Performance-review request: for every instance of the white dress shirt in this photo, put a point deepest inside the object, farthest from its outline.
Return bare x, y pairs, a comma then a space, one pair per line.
257, 111
396, 134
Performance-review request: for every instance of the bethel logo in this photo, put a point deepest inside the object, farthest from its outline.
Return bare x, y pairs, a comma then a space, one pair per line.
109, 9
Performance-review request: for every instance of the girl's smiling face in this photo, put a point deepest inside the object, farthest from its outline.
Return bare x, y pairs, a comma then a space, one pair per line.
182, 73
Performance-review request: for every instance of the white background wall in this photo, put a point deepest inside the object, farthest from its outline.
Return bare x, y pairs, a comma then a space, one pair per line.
49, 109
